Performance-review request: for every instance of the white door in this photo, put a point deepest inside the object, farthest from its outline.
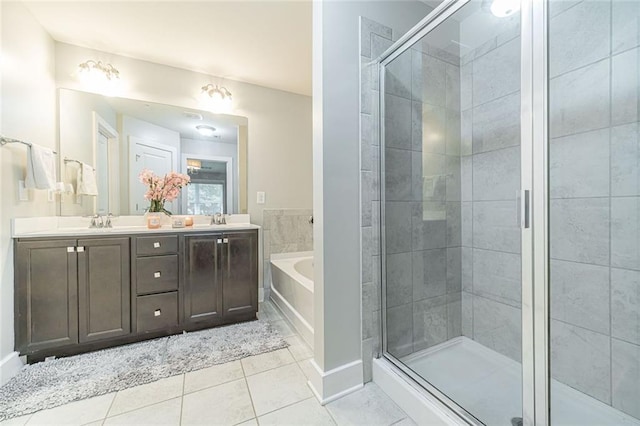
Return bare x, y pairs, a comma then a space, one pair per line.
102, 174
160, 159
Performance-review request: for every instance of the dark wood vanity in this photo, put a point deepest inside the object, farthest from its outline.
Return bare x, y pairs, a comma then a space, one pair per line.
75, 295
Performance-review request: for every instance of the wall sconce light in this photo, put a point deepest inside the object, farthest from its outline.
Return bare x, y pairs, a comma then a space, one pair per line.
98, 76
216, 98
193, 165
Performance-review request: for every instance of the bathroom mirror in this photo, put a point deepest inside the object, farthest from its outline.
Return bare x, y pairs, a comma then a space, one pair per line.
114, 139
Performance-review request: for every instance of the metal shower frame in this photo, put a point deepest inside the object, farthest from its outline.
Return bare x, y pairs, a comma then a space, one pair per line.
533, 196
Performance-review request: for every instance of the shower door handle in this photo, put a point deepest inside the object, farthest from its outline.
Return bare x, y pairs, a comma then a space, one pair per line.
524, 204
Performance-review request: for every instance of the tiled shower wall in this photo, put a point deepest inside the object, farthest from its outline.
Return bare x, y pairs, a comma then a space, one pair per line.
423, 197
284, 231
595, 198
594, 59
422, 187
374, 38
490, 167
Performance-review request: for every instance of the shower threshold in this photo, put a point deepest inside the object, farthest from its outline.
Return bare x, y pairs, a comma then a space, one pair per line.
489, 386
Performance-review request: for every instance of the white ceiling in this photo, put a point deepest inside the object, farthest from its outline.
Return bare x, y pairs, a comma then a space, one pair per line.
178, 119
261, 42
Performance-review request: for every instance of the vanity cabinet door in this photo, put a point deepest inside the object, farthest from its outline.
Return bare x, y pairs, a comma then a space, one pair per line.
46, 295
202, 287
103, 288
240, 273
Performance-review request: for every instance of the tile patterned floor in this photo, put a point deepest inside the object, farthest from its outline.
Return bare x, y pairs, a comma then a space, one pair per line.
266, 389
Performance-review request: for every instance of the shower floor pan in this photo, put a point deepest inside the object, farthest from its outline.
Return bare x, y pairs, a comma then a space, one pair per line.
488, 385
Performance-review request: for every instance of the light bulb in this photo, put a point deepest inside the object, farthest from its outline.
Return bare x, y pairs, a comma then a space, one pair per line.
502, 8
216, 99
100, 78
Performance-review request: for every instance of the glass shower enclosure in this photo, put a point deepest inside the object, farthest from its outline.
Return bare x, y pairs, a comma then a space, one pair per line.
510, 207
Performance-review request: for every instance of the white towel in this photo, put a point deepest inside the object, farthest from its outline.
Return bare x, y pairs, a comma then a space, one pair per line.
41, 168
87, 180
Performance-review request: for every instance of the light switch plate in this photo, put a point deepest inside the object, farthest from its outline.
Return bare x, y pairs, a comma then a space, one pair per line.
23, 194
261, 197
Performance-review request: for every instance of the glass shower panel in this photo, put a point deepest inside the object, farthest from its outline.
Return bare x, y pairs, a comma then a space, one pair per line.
451, 170
594, 202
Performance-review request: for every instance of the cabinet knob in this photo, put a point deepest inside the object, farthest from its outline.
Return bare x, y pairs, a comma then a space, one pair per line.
157, 313
156, 275
226, 240
219, 241
80, 249
71, 249
156, 245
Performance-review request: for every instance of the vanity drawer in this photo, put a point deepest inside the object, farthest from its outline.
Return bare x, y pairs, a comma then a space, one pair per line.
156, 311
160, 244
156, 274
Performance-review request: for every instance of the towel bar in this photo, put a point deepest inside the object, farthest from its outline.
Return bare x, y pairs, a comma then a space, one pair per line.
4, 141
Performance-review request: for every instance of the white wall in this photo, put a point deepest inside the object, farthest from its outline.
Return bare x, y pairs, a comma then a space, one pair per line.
28, 113
336, 176
216, 149
279, 123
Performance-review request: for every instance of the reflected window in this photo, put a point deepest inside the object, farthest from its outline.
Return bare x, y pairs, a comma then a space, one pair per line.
207, 193
205, 198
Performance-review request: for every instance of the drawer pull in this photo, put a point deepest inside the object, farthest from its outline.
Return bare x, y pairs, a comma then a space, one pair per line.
156, 244
71, 249
80, 249
156, 275
157, 313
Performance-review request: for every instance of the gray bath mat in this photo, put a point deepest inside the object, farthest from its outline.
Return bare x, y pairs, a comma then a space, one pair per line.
53, 383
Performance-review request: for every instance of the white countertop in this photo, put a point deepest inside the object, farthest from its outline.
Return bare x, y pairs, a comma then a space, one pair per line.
59, 226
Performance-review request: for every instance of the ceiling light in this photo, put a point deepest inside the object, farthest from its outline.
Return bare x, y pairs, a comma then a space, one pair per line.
205, 130
503, 8
216, 98
98, 76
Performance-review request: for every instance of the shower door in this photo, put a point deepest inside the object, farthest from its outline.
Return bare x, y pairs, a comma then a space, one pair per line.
451, 233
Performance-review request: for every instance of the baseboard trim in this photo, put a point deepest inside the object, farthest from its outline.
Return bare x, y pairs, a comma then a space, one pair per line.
330, 385
10, 365
422, 407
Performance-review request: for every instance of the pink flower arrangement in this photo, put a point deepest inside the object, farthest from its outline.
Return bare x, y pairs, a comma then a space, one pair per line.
162, 189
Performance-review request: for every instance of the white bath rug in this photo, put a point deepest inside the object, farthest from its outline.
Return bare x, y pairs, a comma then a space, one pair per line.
60, 381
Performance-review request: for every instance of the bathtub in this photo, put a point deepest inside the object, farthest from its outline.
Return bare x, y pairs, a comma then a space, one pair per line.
292, 290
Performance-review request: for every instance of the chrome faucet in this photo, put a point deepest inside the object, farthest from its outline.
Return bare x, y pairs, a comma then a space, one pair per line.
107, 223
96, 222
218, 219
